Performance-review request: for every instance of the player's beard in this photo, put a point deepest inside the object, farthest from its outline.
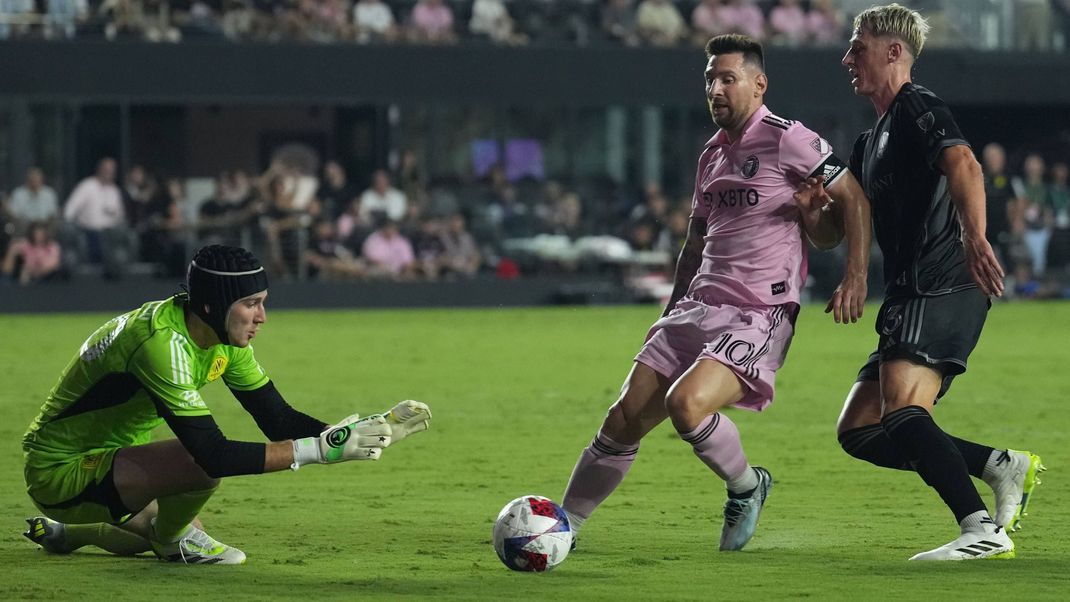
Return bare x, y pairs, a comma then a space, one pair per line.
728, 117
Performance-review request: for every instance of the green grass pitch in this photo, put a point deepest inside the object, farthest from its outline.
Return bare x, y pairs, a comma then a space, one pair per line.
516, 395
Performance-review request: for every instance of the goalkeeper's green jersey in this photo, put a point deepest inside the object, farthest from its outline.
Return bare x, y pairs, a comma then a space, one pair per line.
107, 395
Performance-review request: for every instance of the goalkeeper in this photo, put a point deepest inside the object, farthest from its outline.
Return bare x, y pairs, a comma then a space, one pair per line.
90, 468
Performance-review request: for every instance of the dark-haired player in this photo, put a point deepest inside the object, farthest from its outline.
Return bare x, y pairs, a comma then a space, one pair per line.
726, 329
90, 466
929, 216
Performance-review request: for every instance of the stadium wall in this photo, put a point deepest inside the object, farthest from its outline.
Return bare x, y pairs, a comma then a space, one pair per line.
224, 72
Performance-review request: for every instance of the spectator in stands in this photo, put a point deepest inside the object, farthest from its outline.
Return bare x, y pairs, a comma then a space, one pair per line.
460, 254
659, 23
222, 217
1000, 204
1035, 211
1033, 25
1059, 245
238, 19
165, 239
34, 201
65, 17
508, 215
328, 20
374, 22
411, 179
287, 217
742, 16
388, 253
619, 22
20, 13
706, 22
139, 190
788, 24
35, 258
159, 26
95, 208
381, 198
328, 258
335, 192
125, 19
490, 19
825, 23
672, 237
432, 23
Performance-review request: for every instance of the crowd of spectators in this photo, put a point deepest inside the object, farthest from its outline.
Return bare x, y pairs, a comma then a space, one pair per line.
1038, 24
399, 226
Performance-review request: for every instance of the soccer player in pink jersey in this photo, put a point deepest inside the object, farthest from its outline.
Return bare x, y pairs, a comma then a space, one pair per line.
726, 329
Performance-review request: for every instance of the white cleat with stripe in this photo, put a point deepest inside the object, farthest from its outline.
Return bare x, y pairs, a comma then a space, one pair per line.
973, 546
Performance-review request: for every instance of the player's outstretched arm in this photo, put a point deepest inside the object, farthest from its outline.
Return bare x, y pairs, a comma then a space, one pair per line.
966, 184
354, 438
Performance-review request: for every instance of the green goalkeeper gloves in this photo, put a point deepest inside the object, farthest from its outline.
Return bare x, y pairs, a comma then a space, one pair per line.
354, 438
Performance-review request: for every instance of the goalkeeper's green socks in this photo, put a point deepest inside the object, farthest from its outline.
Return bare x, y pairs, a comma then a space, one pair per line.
107, 537
176, 512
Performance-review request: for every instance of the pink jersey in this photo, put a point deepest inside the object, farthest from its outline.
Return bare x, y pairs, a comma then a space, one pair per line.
755, 252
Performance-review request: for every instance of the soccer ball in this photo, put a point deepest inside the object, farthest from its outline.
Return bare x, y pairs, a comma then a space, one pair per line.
532, 534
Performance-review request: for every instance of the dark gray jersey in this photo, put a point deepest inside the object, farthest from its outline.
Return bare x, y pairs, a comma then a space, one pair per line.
915, 222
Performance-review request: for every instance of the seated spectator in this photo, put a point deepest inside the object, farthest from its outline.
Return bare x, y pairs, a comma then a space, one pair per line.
238, 19
491, 19
65, 17
328, 20
328, 258
432, 23
1059, 244
165, 239
159, 22
619, 23
381, 198
35, 258
34, 201
374, 22
335, 192
706, 21
460, 255
388, 253
825, 23
742, 16
660, 23
222, 218
428, 248
139, 190
788, 24
20, 12
287, 215
411, 179
95, 208
125, 19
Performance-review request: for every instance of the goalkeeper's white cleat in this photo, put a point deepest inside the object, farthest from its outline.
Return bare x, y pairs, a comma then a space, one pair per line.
197, 547
1015, 476
973, 545
48, 534
407, 418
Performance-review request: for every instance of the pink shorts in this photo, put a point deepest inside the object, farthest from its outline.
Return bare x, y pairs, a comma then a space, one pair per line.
752, 341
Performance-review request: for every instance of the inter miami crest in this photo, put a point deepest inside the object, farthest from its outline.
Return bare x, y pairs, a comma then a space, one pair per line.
750, 167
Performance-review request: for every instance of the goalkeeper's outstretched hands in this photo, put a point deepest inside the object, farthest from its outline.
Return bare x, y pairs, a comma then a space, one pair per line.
354, 438
406, 418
